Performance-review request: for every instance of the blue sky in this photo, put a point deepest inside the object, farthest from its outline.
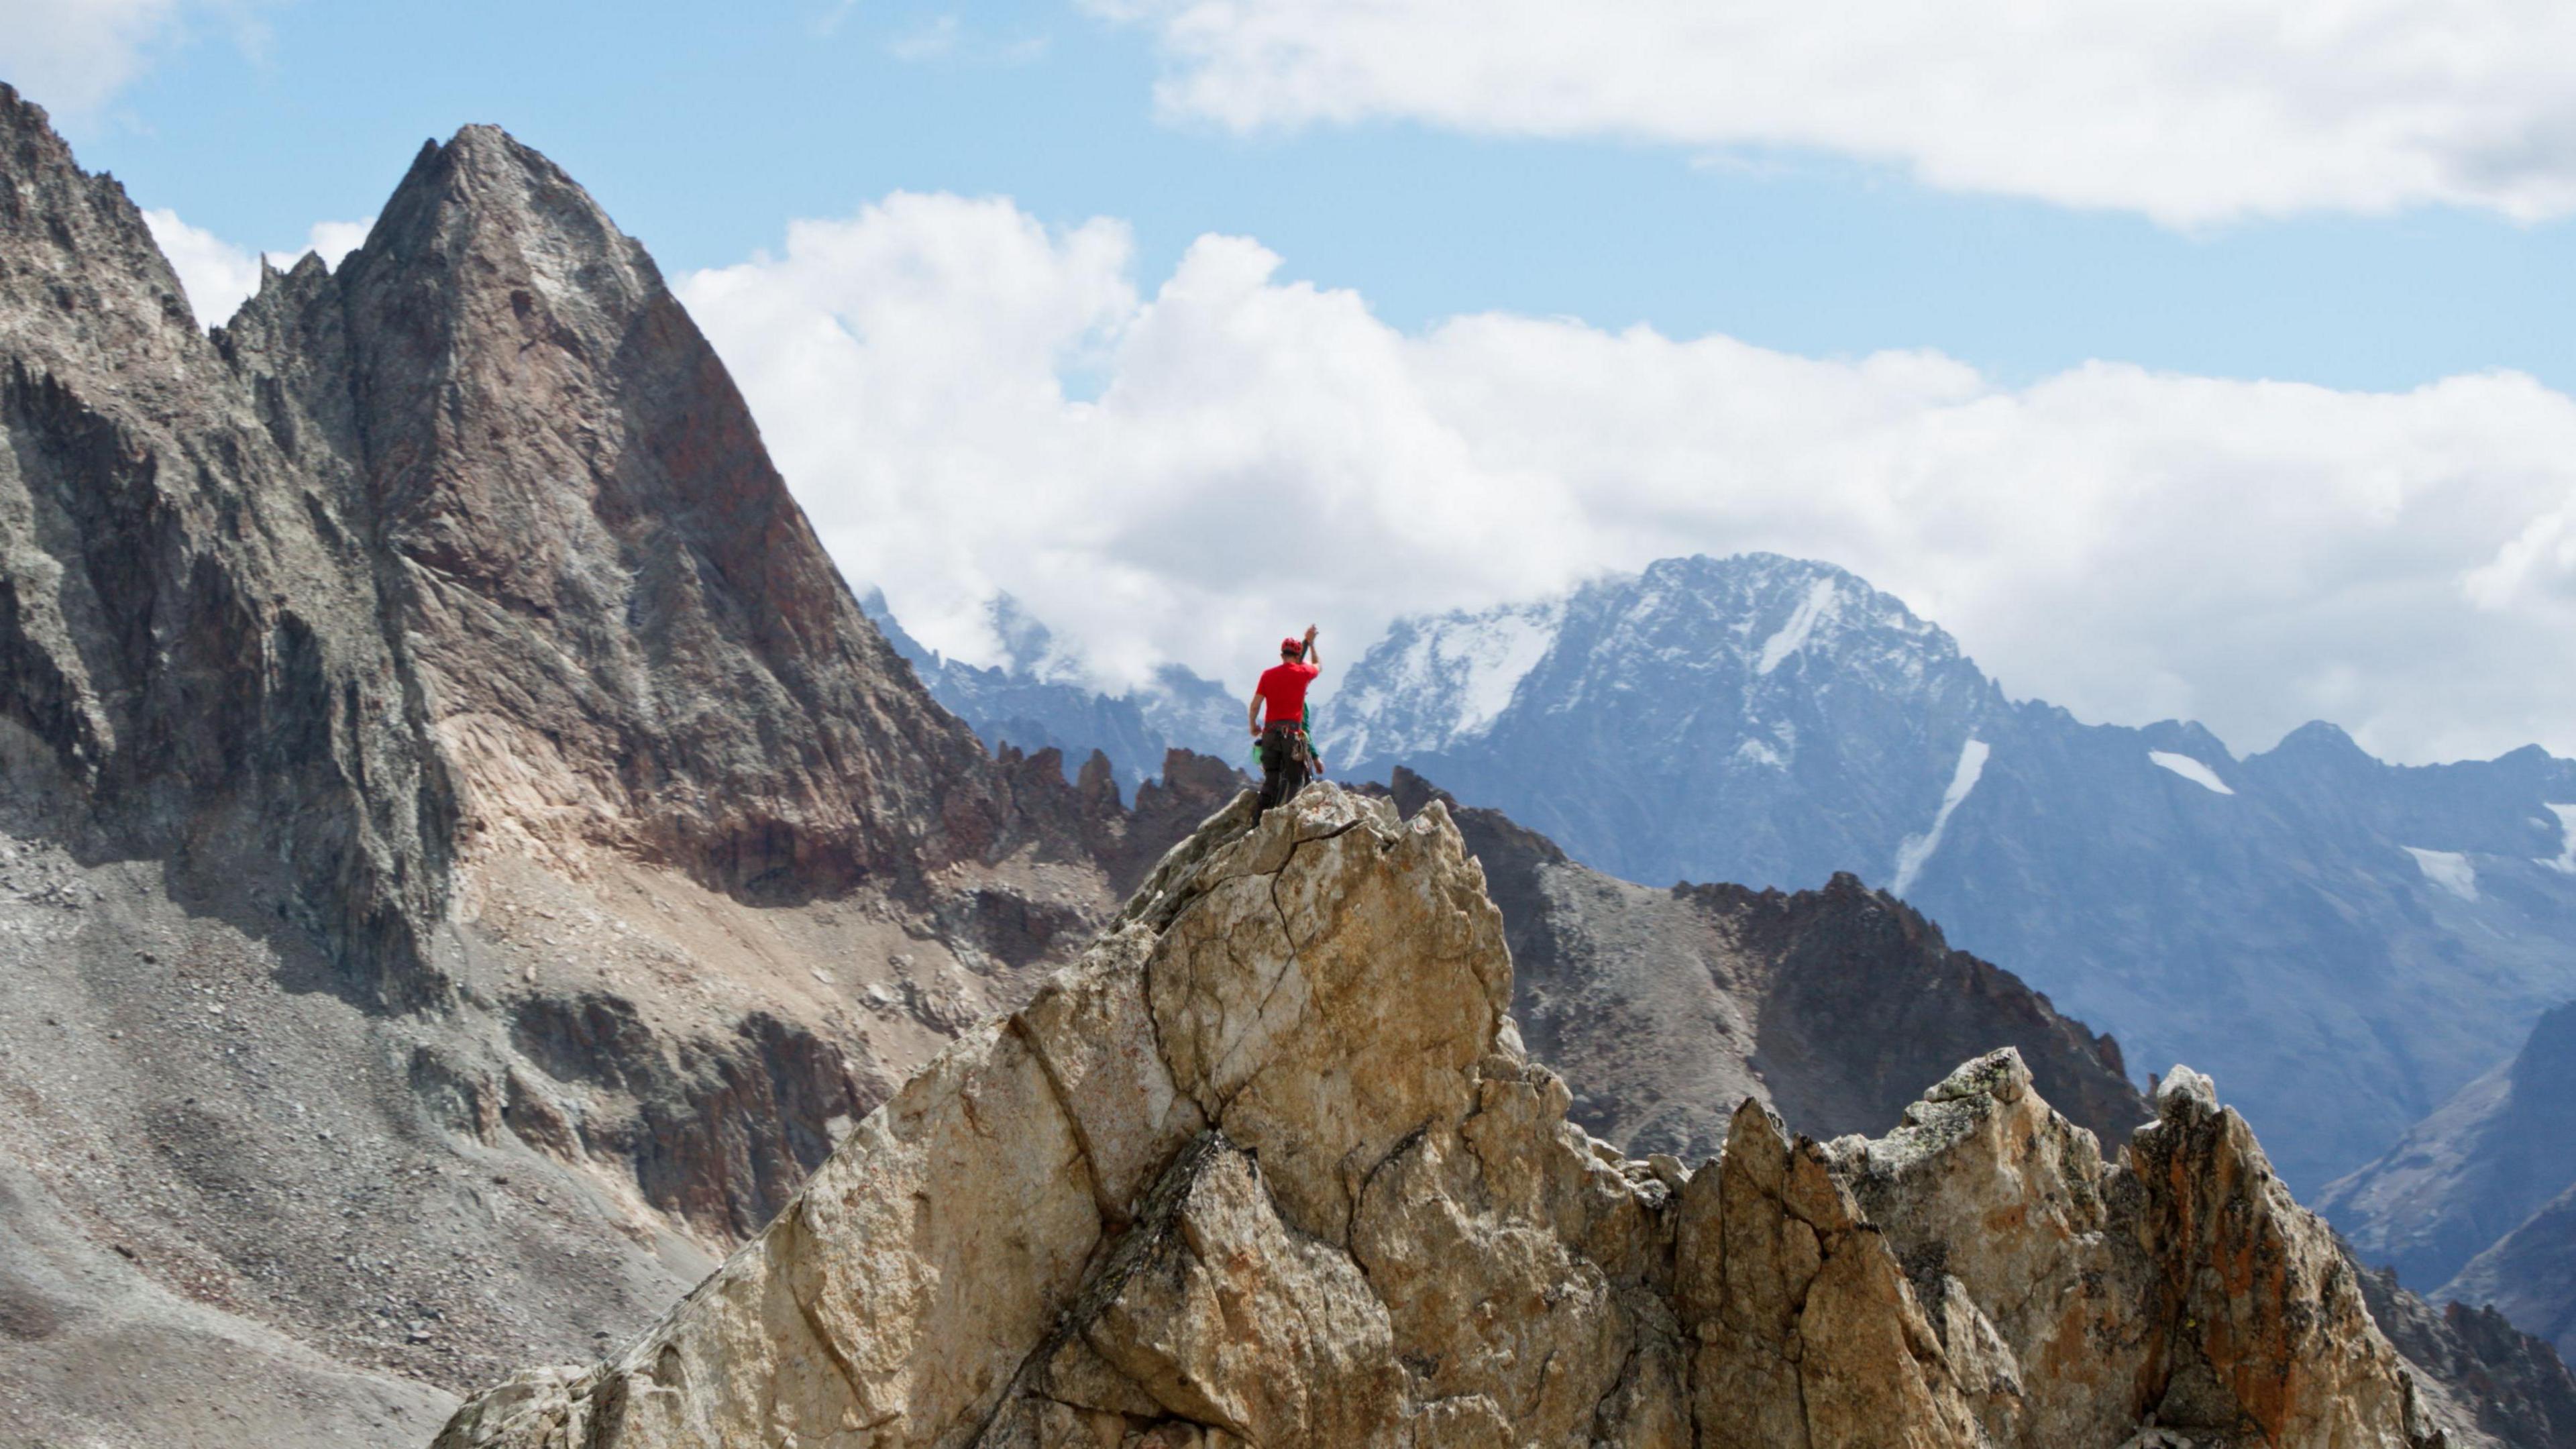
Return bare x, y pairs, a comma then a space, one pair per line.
705, 128
2184, 358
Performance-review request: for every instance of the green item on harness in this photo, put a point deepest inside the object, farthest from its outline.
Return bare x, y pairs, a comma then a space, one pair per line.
1305, 731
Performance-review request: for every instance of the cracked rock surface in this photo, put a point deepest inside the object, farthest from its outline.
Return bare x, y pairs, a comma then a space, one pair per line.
1270, 1167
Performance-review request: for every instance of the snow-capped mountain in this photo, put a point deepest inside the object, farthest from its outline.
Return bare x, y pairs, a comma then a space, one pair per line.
2345, 942
1664, 724
1040, 697
1435, 682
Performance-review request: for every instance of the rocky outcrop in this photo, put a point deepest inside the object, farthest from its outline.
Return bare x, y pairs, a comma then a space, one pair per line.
1667, 1008
1270, 1166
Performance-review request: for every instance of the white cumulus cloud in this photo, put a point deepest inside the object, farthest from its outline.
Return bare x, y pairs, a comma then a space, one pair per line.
219, 276
969, 402
2192, 111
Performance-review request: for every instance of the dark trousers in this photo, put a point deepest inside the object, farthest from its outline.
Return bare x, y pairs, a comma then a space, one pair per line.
1283, 766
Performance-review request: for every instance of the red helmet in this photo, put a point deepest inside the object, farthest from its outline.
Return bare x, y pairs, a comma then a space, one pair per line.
1292, 645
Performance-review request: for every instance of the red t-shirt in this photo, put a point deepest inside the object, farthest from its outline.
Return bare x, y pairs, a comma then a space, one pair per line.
1284, 690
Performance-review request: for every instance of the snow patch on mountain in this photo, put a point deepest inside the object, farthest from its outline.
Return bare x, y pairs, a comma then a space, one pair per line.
2565, 864
1822, 596
1433, 682
1917, 849
1496, 664
2448, 869
2192, 770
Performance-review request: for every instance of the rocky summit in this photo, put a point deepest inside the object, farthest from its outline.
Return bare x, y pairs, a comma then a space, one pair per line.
1270, 1166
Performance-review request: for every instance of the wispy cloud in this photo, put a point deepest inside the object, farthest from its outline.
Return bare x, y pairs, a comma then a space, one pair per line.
833, 16
932, 40
946, 38
2192, 111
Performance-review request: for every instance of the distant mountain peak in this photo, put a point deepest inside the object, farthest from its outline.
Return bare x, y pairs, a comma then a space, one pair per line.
1043, 696
2323, 741
1434, 680
1741, 628
1775, 608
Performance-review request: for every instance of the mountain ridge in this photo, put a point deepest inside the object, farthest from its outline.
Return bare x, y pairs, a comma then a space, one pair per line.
2477, 1203
1666, 1009
1323, 1197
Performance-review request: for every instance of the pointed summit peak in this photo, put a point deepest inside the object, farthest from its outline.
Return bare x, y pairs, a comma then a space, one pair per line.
2320, 740
23, 121
487, 205
1771, 609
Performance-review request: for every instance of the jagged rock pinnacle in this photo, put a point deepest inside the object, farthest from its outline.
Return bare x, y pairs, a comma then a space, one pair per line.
1269, 1167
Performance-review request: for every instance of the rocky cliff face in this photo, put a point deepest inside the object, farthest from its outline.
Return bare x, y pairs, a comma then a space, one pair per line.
1270, 1166
467, 548
191, 649
619, 629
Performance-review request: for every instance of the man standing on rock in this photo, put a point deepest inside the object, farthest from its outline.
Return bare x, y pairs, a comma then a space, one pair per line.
1287, 756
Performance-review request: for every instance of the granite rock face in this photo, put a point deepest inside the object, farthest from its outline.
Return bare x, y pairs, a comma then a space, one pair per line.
619, 629
1270, 1166
191, 645
467, 548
